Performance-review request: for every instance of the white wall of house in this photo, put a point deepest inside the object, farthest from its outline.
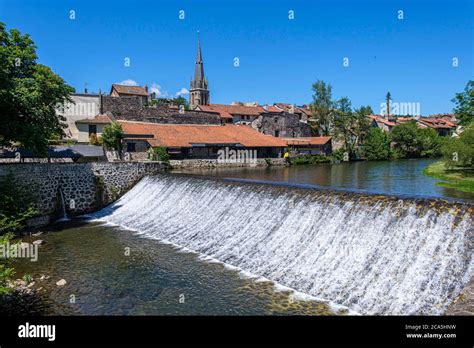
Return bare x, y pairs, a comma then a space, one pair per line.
83, 131
85, 106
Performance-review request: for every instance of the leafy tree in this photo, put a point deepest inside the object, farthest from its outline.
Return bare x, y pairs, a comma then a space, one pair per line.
29, 94
343, 124
361, 124
112, 137
406, 141
322, 107
388, 98
376, 145
464, 101
413, 142
430, 142
460, 152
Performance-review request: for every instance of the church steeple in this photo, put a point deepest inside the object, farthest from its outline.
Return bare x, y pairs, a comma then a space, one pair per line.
199, 93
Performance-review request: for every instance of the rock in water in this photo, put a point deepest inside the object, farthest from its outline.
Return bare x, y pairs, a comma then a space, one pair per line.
61, 282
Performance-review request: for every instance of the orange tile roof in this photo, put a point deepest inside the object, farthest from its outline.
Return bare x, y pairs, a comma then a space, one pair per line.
98, 119
234, 109
381, 119
133, 90
222, 113
307, 140
175, 135
272, 108
437, 123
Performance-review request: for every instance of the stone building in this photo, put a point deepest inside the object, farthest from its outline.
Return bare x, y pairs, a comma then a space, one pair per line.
199, 92
132, 108
281, 124
118, 90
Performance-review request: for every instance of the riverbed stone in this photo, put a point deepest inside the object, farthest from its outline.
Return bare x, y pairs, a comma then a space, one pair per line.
61, 282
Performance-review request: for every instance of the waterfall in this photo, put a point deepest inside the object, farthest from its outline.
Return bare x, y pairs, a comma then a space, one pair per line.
63, 206
372, 254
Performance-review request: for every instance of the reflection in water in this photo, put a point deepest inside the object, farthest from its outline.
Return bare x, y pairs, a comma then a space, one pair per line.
155, 279
403, 177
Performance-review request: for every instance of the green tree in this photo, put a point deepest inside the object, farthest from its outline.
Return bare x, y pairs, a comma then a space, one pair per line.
459, 152
464, 101
322, 107
344, 121
29, 94
376, 145
413, 142
430, 143
388, 99
406, 141
112, 137
159, 153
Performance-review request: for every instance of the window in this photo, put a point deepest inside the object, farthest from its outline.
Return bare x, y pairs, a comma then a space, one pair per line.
92, 129
131, 147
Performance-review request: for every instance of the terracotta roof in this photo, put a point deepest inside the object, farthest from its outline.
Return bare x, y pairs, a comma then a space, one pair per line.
307, 140
131, 90
175, 135
381, 119
437, 123
272, 108
98, 119
222, 113
233, 109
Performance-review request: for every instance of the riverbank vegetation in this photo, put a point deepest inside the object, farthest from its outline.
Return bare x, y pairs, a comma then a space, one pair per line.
16, 206
457, 167
460, 179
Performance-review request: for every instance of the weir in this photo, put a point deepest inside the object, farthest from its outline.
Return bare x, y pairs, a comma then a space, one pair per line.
373, 254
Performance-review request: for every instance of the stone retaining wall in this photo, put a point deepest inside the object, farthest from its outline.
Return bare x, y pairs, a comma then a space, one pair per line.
86, 187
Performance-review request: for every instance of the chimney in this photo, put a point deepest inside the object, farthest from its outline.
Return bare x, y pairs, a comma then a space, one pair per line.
85, 90
146, 89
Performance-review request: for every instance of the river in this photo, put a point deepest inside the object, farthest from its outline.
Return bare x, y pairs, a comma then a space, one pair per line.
187, 244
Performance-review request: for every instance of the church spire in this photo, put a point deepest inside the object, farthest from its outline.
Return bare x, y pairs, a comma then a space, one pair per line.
199, 68
199, 94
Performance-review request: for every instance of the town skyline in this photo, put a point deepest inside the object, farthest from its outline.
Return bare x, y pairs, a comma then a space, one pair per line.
279, 58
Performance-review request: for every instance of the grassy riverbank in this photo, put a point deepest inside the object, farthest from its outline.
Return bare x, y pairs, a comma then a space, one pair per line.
460, 179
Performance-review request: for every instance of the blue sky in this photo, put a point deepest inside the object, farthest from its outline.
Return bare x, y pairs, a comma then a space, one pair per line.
279, 58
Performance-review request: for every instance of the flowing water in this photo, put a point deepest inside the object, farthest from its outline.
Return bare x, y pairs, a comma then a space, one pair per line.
372, 254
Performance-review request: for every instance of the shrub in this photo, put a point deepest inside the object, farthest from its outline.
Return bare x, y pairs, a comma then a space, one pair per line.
310, 159
112, 137
16, 205
159, 154
95, 140
460, 152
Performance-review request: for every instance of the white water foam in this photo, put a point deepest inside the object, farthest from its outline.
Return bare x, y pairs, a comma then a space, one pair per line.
373, 259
